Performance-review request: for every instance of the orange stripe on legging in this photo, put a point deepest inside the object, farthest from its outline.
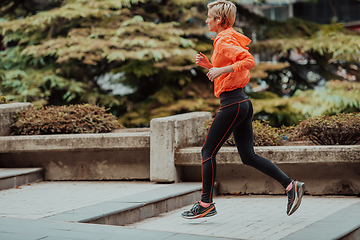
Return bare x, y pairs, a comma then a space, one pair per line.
212, 182
221, 138
202, 192
206, 160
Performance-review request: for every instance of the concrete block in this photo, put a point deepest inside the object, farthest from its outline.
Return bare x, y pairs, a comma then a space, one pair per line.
277, 154
7, 113
133, 208
13, 177
75, 142
117, 164
150, 209
121, 155
169, 134
324, 169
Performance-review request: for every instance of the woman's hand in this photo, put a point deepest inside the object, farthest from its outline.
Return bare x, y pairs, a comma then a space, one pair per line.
202, 61
214, 73
217, 72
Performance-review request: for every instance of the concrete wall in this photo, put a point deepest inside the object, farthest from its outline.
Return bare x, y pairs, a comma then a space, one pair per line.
122, 155
170, 151
324, 169
7, 113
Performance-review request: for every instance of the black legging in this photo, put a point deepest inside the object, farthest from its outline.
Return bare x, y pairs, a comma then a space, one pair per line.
234, 116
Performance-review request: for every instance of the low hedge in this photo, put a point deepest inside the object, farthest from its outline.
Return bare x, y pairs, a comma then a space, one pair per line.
340, 129
64, 120
264, 134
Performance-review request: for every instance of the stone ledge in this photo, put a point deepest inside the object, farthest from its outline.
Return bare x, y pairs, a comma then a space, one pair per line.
121, 155
10, 178
15, 172
73, 142
135, 207
324, 169
9, 107
343, 225
278, 154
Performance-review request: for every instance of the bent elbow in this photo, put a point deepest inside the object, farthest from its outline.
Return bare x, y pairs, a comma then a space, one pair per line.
251, 62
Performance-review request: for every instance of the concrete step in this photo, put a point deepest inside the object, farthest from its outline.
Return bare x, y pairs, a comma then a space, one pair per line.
133, 208
13, 177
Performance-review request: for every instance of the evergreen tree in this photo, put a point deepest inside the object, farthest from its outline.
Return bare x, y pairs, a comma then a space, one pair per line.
137, 56
58, 56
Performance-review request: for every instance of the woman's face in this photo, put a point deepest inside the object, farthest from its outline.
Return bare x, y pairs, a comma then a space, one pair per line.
211, 22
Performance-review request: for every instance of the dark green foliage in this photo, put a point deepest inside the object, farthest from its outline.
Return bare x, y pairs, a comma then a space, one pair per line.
64, 119
53, 52
56, 57
341, 129
265, 135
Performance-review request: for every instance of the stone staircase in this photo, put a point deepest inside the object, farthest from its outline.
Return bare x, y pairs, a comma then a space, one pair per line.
15, 177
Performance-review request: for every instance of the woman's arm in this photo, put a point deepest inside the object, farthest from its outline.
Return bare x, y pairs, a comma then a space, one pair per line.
243, 61
217, 72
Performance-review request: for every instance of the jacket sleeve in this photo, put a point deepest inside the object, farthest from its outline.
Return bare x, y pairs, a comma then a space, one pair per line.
239, 56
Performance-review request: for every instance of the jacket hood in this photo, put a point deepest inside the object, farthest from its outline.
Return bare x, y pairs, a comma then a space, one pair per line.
231, 33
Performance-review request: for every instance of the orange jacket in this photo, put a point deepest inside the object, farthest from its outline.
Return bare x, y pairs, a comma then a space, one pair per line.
230, 49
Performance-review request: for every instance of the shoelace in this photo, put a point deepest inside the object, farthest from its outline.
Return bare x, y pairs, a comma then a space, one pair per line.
194, 207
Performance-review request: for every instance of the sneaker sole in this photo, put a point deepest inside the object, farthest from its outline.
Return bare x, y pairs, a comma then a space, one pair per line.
298, 199
198, 216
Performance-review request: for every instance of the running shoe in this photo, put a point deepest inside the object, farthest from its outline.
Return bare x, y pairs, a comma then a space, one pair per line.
295, 195
198, 211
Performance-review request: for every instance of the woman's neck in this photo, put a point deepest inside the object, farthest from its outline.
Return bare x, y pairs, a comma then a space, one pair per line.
219, 30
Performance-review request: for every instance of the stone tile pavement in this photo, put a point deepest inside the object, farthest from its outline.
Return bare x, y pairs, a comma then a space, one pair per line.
250, 217
23, 212
39, 200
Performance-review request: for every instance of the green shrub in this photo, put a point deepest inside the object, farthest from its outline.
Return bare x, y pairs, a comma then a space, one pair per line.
290, 134
264, 134
341, 129
3, 99
64, 119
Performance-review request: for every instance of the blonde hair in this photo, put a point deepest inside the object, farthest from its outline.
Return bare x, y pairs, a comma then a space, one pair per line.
224, 9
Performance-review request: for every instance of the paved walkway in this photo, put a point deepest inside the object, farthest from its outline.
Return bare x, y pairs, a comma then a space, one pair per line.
250, 217
23, 211
43, 199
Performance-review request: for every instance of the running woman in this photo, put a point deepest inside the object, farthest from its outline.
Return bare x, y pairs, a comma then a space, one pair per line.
229, 71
